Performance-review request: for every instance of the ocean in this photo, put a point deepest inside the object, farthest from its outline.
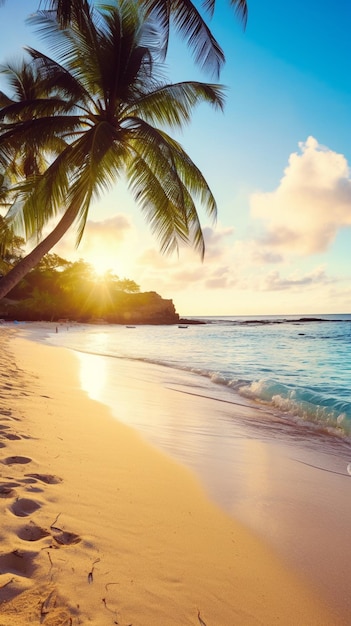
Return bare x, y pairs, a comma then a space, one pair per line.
297, 367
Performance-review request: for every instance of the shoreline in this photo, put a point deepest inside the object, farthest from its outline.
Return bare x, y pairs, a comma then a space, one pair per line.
102, 527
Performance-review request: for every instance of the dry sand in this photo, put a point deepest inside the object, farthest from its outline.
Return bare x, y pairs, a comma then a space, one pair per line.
100, 528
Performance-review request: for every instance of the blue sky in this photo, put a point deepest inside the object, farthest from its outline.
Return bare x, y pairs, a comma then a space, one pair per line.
277, 161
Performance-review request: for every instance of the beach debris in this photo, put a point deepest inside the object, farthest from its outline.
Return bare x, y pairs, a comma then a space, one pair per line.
52, 526
90, 575
348, 468
110, 610
59, 613
200, 618
108, 584
48, 604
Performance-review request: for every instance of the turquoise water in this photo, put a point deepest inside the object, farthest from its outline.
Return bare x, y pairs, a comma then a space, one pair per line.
298, 367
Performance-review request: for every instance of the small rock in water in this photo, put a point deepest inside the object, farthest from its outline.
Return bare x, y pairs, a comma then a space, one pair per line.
348, 467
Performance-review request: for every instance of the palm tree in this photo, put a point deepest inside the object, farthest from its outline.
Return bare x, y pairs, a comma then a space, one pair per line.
25, 161
104, 107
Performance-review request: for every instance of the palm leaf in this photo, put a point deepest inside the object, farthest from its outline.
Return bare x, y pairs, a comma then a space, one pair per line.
173, 105
169, 199
240, 7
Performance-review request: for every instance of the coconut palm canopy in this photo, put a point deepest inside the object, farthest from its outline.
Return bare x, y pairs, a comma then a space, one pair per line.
103, 113
184, 15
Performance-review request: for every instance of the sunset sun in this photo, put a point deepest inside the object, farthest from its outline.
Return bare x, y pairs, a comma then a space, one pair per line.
104, 260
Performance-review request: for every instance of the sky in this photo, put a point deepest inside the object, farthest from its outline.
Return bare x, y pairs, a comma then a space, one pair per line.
277, 161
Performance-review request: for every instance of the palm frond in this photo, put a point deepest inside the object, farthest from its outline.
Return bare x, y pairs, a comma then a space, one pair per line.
46, 133
168, 188
159, 12
240, 7
67, 11
166, 222
30, 109
81, 170
58, 80
192, 27
174, 104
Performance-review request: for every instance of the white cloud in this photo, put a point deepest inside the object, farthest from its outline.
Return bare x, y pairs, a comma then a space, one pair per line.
310, 205
222, 278
187, 271
275, 282
216, 241
110, 232
252, 252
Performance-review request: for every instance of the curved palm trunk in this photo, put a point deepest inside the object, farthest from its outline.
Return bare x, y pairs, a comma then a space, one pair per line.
32, 259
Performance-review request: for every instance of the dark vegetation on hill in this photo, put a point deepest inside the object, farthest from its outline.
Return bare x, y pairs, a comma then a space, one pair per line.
59, 289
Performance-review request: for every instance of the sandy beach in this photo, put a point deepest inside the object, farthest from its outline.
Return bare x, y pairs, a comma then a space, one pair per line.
98, 527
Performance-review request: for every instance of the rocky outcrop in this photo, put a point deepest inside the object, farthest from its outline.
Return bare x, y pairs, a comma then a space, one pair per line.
143, 308
122, 308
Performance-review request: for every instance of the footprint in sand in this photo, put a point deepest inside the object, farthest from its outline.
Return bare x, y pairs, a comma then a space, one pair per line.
6, 416
64, 538
7, 490
32, 532
28, 481
33, 489
30, 485
49, 479
5, 431
23, 507
18, 562
12, 460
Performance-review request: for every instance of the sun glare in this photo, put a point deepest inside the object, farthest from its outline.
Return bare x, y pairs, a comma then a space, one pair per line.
103, 261
101, 271
93, 379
